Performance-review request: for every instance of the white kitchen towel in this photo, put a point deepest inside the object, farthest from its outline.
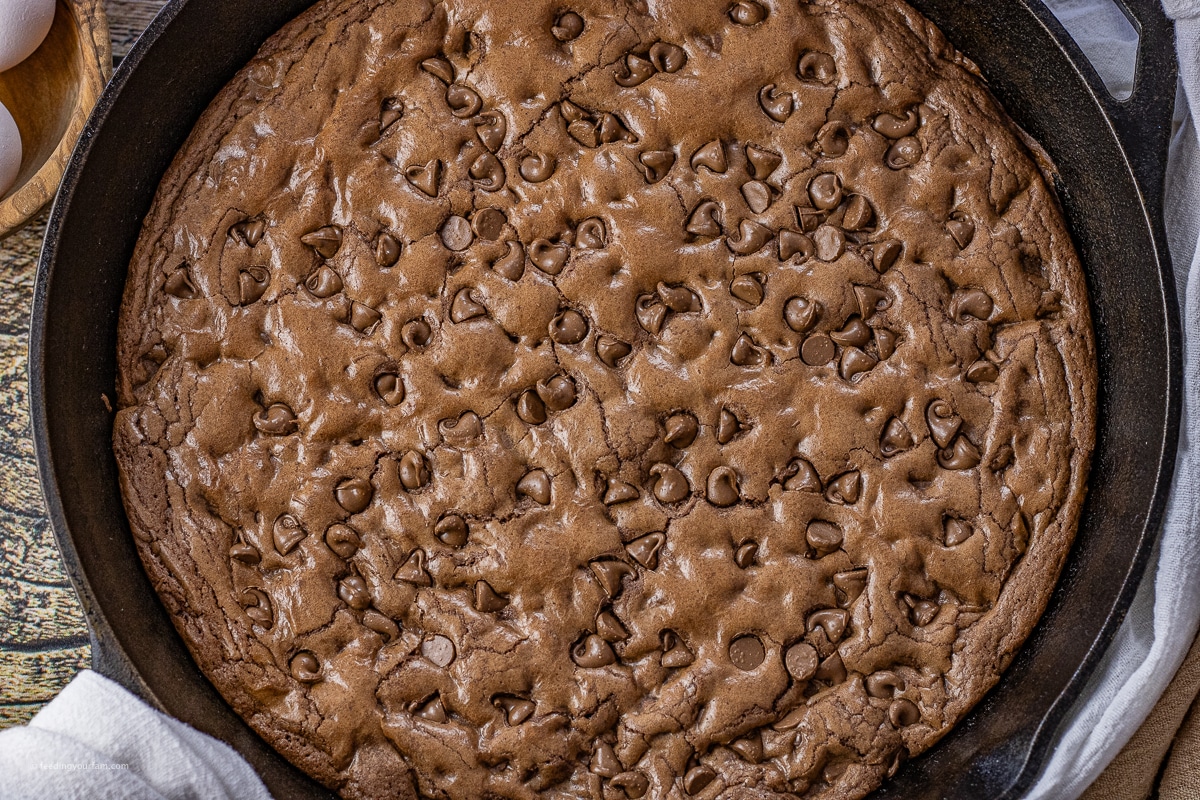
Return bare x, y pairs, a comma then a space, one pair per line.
1162, 622
96, 741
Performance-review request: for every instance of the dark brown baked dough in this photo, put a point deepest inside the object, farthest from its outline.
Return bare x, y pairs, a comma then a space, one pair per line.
527, 399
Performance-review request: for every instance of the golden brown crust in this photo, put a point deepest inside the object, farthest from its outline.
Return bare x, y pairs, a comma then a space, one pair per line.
695, 404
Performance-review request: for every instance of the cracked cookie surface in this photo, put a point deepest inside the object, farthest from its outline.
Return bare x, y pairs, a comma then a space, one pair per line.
604, 400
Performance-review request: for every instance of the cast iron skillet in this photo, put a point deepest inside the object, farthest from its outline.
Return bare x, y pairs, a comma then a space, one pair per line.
1110, 156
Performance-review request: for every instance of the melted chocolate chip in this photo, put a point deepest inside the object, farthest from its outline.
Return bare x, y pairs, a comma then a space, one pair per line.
746, 353
491, 128
413, 571
711, 156
305, 667
440, 68
432, 710
705, 219
558, 393
416, 333
487, 172
511, 265
833, 621
426, 178
961, 229
451, 530
895, 127
884, 684
537, 168
179, 284
634, 784
249, 232
823, 537
516, 709
252, 284
722, 489
801, 315
604, 761
465, 306
324, 282
611, 350
549, 257
463, 100
757, 195
569, 327
833, 139
618, 491
591, 234
851, 585
884, 255
609, 628
762, 162
257, 607
749, 747
461, 431
745, 553
276, 420
895, 438
592, 652
679, 299
817, 66
536, 486
801, 476
748, 289
354, 494
903, 712
414, 472
955, 531
885, 342
245, 553
387, 250
921, 612
324, 241
817, 350
487, 599
859, 214
752, 237
854, 333
675, 653
728, 426
362, 317
667, 57
982, 372
943, 422
670, 485
634, 71
353, 592
845, 488
697, 779
644, 549
568, 27
456, 233
825, 191
961, 455
747, 12
681, 430
871, 300
343, 540
854, 363
904, 153
530, 408
830, 243
747, 653
655, 164
777, 105
968, 304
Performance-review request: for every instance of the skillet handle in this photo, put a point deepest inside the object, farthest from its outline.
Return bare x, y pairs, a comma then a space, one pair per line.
1142, 122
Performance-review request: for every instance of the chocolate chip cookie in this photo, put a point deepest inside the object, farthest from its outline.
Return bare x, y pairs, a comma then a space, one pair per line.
605, 399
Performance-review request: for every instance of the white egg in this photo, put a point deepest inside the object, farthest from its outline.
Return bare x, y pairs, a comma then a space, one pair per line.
10, 150
23, 26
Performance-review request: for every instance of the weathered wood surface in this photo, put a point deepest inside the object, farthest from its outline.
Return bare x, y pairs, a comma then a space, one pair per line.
43, 637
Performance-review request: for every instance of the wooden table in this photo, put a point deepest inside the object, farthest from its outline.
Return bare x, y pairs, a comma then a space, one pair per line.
43, 637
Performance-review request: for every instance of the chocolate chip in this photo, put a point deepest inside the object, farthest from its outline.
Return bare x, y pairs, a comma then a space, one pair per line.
592, 652
698, 778
324, 282
618, 491
823, 537
711, 156
750, 747
586, 132
667, 57
829, 243
604, 761
644, 549
611, 129
885, 342
854, 333
968, 304
833, 139
817, 66
305, 667
801, 314
536, 486
675, 654
679, 299
634, 71
670, 485
884, 684
451, 530
871, 300
634, 784
884, 255
801, 476
491, 128
325, 241
921, 612
511, 265
748, 289
744, 555
568, 26
558, 393
943, 422
249, 232
354, 494
956, 531
894, 127
747, 12
537, 168
903, 154
895, 438
179, 284
858, 215
245, 553
530, 408
465, 307
746, 353
817, 350
747, 653
851, 584
982, 372
354, 593
752, 237
426, 178
569, 327
777, 105
801, 661
390, 388
461, 431
342, 540
432, 710
287, 533
456, 233
257, 606
276, 420
757, 195
413, 570
487, 599
252, 284
961, 228
591, 234
414, 472
961, 455
681, 429
855, 362
832, 670
609, 628
516, 709
655, 164
416, 333
463, 100
825, 191
833, 621
903, 712
363, 317
705, 219
487, 172
440, 68
728, 426
845, 488
611, 350
549, 257
387, 250
722, 490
